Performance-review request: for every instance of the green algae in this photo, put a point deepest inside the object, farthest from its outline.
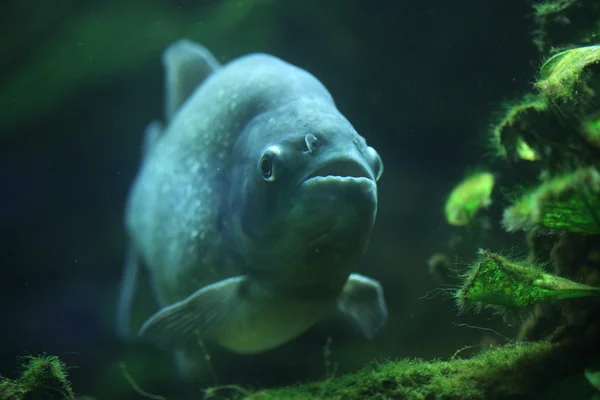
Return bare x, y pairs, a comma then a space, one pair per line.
561, 75
591, 130
566, 203
557, 123
551, 7
558, 126
44, 378
468, 197
516, 371
497, 281
592, 374
563, 23
518, 118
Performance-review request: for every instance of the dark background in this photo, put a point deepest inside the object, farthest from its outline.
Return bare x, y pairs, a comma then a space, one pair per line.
79, 81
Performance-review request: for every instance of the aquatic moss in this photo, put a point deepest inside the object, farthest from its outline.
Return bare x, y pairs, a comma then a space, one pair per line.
440, 267
570, 255
495, 280
44, 378
559, 122
592, 374
519, 118
552, 7
525, 152
516, 371
468, 197
561, 75
566, 22
567, 202
591, 130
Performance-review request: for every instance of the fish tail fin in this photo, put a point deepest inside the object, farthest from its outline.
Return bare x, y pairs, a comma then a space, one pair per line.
127, 293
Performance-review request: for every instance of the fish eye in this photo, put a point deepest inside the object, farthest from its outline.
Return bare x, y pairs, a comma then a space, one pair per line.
377, 162
266, 165
266, 168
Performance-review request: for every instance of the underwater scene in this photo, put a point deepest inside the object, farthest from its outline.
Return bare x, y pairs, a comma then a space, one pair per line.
269, 199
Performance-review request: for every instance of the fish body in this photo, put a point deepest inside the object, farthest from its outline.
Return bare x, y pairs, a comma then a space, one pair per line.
253, 204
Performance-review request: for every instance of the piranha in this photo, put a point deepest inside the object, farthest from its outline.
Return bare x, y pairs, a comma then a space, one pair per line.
253, 205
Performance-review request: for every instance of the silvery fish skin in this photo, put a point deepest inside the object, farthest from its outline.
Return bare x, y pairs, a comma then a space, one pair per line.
252, 207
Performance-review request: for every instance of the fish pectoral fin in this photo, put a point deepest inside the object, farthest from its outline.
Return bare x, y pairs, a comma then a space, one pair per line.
206, 313
363, 303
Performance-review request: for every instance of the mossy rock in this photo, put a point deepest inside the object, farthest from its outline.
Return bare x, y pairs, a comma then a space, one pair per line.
44, 378
571, 76
560, 124
534, 130
566, 22
468, 197
590, 129
570, 203
516, 371
519, 120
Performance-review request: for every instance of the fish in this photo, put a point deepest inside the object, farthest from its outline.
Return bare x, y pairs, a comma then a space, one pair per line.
251, 210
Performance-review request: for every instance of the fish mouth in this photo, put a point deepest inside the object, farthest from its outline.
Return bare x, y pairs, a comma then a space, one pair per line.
339, 171
338, 202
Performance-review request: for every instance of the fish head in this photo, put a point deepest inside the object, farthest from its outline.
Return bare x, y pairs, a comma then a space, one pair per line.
303, 188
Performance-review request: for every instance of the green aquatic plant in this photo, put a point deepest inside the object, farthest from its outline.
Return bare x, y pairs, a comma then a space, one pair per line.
551, 7
44, 378
468, 197
566, 203
592, 374
518, 118
566, 22
496, 281
59, 65
561, 76
558, 122
516, 371
591, 130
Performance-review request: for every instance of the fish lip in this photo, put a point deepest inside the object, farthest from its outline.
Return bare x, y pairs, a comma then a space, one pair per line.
338, 179
341, 169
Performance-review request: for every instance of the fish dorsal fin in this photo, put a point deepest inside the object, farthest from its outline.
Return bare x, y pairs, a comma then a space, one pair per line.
186, 65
